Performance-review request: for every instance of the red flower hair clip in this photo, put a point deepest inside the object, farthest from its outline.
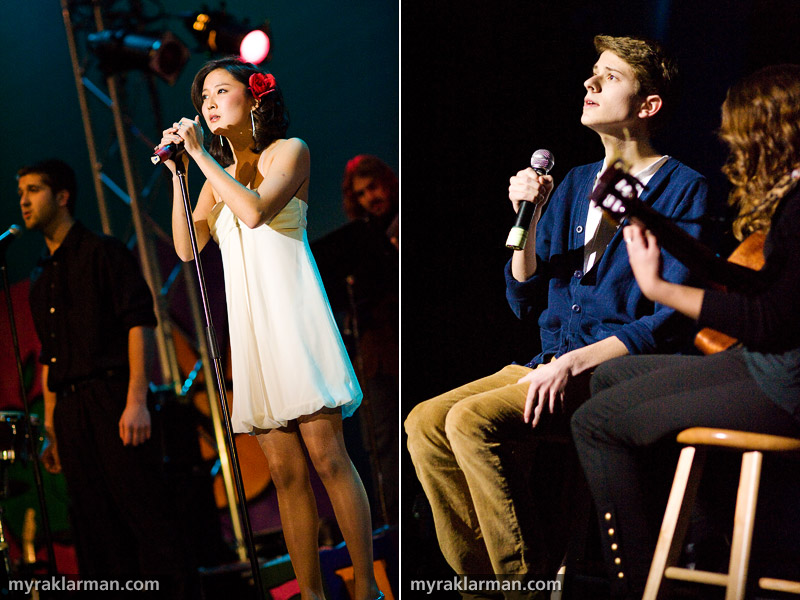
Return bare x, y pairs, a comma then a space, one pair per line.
261, 84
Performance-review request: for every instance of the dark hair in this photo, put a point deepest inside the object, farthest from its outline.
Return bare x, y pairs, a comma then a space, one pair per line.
366, 165
58, 176
656, 73
271, 116
761, 126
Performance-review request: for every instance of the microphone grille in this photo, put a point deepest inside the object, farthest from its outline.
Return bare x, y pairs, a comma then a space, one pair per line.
15, 230
543, 159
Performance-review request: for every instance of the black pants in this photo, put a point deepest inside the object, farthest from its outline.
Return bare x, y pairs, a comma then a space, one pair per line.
382, 392
124, 520
642, 400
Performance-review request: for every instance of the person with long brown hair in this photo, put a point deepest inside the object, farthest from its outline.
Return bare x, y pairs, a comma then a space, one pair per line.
369, 188
292, 381
640, 401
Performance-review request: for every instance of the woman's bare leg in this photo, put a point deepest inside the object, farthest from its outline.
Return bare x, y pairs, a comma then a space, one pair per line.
297, 506
322, 436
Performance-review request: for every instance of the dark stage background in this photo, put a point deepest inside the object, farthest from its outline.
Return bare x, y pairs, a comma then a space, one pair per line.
486, 84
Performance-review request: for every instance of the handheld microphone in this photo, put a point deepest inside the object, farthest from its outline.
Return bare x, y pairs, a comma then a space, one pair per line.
9, 236
168, 152
542, 162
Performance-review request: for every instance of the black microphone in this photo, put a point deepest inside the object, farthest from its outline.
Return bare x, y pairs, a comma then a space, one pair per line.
542, 162
168, 152
9, 236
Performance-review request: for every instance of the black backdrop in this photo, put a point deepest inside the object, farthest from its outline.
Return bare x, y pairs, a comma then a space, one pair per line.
483, 86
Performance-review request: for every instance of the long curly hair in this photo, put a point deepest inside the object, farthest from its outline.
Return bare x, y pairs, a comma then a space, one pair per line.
761, 126
271, 117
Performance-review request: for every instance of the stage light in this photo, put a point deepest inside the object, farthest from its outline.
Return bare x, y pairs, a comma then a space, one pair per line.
219, 33
255, 46
118, 50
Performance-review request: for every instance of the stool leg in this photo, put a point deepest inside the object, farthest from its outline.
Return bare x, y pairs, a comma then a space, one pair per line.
743, 520
557, 593
676, 518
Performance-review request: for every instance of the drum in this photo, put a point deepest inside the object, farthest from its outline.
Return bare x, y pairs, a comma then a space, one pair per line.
13, 428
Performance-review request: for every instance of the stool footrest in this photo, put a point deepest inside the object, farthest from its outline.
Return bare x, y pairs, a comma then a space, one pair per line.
696, 576
779, 585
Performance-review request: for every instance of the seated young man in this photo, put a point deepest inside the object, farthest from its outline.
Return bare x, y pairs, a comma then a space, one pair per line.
465, 444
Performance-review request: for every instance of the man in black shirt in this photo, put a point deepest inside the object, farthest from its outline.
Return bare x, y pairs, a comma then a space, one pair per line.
359, 265
93, 314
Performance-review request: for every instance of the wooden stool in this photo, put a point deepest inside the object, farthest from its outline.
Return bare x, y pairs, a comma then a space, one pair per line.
681, 499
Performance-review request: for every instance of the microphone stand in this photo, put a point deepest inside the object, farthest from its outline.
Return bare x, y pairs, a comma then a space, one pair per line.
213, 349
37, 473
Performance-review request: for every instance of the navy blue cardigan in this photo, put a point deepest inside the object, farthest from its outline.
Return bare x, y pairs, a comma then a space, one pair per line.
577, 309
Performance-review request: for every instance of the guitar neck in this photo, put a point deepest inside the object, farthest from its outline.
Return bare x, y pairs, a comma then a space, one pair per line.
689, 251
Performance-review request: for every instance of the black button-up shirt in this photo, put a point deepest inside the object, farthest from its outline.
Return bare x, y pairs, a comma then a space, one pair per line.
84, 299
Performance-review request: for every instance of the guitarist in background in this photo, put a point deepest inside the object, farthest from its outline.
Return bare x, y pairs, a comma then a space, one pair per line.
638, 401
471, 446
359, 265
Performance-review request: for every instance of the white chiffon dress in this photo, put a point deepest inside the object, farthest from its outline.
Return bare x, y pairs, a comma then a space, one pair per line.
287, 354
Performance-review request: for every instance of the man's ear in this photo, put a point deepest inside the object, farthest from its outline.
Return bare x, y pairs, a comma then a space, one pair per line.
650, 106
62, 198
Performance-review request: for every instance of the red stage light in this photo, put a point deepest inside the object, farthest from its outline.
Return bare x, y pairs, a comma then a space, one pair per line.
254, 47
221, 33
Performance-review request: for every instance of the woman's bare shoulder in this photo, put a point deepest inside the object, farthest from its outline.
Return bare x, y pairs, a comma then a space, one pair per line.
293, 145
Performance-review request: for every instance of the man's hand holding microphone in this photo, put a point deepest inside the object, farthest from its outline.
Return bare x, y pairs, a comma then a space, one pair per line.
529, 190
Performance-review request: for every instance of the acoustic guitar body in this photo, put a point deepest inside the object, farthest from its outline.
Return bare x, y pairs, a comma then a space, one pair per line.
750, 254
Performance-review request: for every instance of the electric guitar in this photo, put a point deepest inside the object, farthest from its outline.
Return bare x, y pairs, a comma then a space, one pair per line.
621, 204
